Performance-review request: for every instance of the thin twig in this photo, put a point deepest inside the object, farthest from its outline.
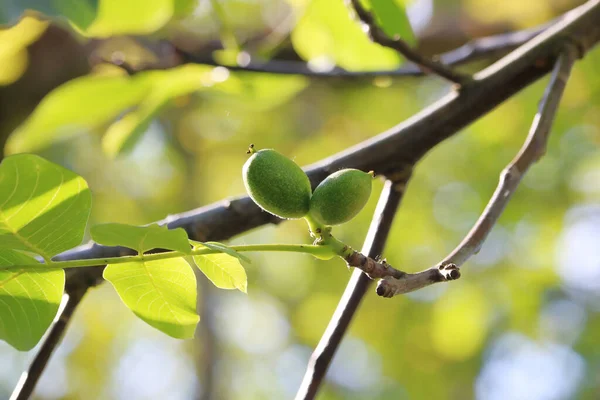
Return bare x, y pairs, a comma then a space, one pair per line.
531, 151
355, 290
374, 268
403, 145
427, 65
476, 49
30, 377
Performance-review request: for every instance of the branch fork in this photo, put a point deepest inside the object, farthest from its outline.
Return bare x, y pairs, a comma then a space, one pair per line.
510, 177
427, 65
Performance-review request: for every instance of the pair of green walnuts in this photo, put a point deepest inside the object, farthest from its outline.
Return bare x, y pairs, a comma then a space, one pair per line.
279, 186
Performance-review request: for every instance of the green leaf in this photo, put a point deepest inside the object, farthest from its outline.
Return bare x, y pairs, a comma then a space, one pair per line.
74, 108
391, 17
222, 248
162, 293
327, 35
117, 17
223, 270
90, 102
14, 41
103, 18
141, 238
29, 300
184, 7
263, 91
122, 135
44, 207
227, 33
80, 13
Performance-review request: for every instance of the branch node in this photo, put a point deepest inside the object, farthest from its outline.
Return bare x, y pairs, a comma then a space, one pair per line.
580, 46
385, 289
449, 272
427, 65
373, 268
510, 174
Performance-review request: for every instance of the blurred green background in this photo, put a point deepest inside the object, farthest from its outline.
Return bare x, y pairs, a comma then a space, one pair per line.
522, 323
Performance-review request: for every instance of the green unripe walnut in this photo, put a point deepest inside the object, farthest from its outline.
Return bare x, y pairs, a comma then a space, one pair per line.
277, 184
341, 196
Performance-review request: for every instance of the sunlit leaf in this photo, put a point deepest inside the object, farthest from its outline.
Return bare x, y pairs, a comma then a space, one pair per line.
184, 7
105, 17
122, 135
391, 16
264, 91
29, 300
222, 248
228, 39
13, 47
223, 270
75, 108
141, 238
162, 293
44, 207
227, 56
90, 102
327, 36
116, 17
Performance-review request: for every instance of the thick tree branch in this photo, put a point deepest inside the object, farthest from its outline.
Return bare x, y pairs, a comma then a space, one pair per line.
355, 291
379, 36
392, 151
476, 49
533, 148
